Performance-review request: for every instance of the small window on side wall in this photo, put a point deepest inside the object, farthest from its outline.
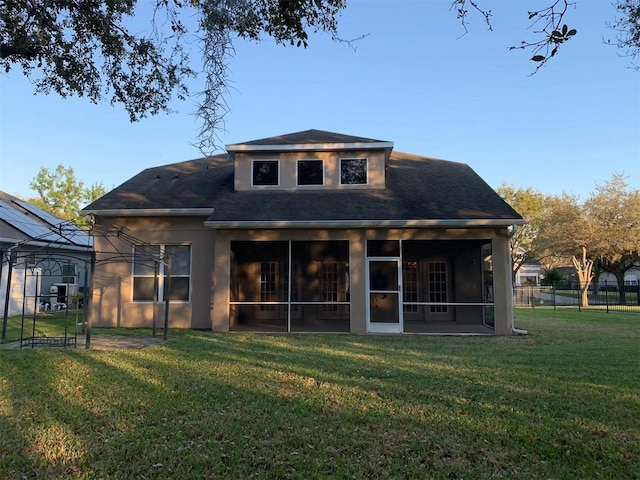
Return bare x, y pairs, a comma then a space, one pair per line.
310, 172
265, 173
353, 171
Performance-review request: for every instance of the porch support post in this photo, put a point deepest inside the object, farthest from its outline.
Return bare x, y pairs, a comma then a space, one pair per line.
502, 283
221, 282
358, 293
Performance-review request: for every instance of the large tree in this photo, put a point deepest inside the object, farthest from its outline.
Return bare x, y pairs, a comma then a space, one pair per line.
600, 234
94, 48
61, 194
566, 232
531, 205
614, 210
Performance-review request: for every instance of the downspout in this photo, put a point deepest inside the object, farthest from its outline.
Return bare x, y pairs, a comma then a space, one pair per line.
514, 330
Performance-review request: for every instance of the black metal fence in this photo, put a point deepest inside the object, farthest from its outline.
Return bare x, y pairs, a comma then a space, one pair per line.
605, 296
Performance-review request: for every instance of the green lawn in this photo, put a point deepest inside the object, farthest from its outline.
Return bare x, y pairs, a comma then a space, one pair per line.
562, 402
49, 324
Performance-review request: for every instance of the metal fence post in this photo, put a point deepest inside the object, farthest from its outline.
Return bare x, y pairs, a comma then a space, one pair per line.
579, 287
606, 294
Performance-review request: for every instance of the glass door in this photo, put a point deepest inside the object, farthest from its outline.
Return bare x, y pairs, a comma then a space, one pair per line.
383, 288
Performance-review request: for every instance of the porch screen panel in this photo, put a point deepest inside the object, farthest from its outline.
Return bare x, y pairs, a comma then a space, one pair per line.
259, 288
410, 286
320, 286
487, 285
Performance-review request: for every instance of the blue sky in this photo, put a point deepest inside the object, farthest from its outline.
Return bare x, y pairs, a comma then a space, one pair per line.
415, 79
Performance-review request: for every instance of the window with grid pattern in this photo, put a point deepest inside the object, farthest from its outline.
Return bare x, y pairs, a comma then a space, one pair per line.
268, 285
177, 287
329, 285
438, 285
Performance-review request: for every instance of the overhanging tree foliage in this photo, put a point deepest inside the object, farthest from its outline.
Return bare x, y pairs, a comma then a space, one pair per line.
627, 26
95, 49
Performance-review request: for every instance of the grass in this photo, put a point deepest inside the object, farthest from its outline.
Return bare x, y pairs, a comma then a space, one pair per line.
49, 324
561, 402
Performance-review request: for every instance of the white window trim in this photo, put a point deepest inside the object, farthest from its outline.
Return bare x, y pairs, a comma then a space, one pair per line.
310, 160
265, 160
161, 268
366, 159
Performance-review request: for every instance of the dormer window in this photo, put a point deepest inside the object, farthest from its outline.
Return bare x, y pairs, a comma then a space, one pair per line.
310, 172
265, 173
353, 171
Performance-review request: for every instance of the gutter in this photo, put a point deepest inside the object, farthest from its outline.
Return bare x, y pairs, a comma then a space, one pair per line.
150, 212
427, 223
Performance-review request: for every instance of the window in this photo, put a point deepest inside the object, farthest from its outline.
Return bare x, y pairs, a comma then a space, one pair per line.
265, 173
268, 285
144, 260
329, 285
69, 273
353, 171
310, 172
438, 286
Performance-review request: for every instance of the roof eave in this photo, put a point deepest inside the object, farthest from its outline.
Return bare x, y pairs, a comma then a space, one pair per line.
333, 224
150, 212
304, 147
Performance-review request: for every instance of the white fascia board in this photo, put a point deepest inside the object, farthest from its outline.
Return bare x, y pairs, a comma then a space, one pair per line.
305, 147
468, 223
150, 212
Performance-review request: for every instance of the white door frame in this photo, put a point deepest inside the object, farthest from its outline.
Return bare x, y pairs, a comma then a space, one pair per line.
379, 327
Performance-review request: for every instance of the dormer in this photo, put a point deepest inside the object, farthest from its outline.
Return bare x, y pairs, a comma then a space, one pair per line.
313, 159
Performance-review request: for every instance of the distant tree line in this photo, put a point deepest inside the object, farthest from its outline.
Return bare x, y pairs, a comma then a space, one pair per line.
599, 234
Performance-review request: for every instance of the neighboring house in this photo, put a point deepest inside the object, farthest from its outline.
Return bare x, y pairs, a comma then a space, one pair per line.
306, 232
604, 279
530, 272
608, 279
41, 253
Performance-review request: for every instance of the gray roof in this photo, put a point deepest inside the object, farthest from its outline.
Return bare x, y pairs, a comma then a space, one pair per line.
311, 137
417, 188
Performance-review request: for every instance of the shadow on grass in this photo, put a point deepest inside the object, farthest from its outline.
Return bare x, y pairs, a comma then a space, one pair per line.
313, 406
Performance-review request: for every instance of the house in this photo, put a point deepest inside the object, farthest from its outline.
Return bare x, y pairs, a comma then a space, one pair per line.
529, 273
44, 258
307, 232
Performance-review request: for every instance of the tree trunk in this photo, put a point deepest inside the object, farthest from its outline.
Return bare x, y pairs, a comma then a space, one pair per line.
583, 269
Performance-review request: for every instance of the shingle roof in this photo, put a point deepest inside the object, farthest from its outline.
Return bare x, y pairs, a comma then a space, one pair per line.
417, 188
310, 137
